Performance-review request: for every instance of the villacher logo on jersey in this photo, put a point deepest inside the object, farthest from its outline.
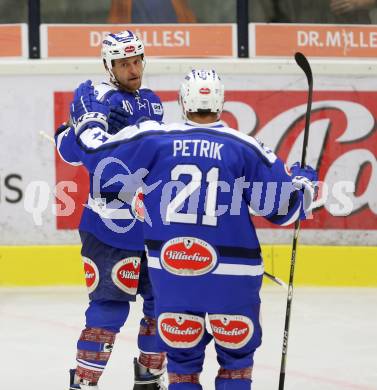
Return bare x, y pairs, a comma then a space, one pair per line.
125, 274
91, 274
188, 256
181, 330
231, 331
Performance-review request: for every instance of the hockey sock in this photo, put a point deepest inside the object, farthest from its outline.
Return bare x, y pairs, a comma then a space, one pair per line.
149, 358
234, 379
184, 381
154, 361
147, 335
93, 352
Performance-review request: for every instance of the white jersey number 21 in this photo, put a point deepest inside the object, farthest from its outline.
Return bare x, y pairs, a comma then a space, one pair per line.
212, 177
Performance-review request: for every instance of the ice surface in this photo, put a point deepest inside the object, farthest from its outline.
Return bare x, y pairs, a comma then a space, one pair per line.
332, 342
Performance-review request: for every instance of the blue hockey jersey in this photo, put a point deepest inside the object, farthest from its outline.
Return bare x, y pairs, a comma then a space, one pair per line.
199, 182
114, 220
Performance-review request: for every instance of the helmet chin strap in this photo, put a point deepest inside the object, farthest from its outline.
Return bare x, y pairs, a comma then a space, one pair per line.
112, 77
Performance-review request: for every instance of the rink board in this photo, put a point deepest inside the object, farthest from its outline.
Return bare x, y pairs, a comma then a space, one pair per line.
259, 93
315, 265
266, 98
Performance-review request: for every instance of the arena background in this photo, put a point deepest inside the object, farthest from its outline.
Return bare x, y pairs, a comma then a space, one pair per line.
47, 48
265, 97
41, 64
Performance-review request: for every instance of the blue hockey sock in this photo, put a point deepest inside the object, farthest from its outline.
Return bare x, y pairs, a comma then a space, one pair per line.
184, 381
234, 379
93, 352
185, 386
232, 384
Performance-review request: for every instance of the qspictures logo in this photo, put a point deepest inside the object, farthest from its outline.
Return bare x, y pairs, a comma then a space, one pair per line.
11, 188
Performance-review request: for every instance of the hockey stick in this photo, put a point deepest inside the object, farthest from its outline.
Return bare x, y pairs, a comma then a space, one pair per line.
275, 279
303, 63
46, 136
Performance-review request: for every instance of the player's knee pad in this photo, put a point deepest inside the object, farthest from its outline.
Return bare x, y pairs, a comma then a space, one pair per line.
180, 330
94, 348
110, 315
184, 381
110, 273
123, 283
184, 337
236, 338
231, 331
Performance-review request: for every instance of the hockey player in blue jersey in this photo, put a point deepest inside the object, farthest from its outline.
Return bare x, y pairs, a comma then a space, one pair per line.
204, 256
112, 239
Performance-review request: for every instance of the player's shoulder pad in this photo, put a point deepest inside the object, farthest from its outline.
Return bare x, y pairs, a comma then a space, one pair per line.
149, 94
180, 126
103, 91
248, 140
128, 133
152, 125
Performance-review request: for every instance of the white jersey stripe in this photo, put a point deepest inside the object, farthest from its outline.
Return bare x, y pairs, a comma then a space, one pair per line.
239, 269
99, 207
131, 131
222, 269
91, 366
154, 262
59, 140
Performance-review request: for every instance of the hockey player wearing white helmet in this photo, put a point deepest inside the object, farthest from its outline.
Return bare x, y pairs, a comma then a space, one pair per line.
123, 58
202, 95
113, 249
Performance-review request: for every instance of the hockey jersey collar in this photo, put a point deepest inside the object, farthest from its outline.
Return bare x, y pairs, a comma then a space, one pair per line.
216, 124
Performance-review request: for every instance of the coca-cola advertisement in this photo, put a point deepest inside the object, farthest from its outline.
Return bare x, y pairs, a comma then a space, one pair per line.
342, 147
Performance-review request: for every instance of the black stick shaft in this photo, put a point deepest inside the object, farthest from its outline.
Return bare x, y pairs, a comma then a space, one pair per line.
303, 63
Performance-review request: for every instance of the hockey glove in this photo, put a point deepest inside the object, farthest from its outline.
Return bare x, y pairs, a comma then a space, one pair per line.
63, 127
84, 101
305, 180
117, 119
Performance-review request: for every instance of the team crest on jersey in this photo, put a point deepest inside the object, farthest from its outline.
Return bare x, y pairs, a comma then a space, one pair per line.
180, 330
137, 205
188, 256
231, 331
157, 108
91, 274
125, 274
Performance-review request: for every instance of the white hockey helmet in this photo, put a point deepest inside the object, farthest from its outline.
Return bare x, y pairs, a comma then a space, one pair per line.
201, 91
124, 44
